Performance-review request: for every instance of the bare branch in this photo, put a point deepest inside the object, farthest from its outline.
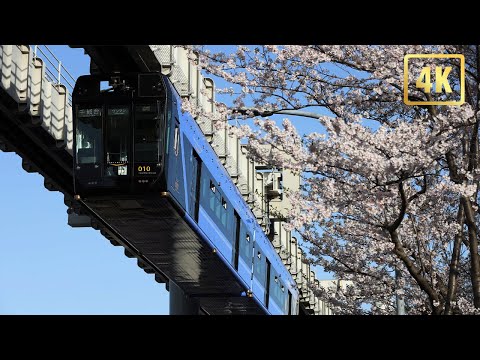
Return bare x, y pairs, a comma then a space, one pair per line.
251, 111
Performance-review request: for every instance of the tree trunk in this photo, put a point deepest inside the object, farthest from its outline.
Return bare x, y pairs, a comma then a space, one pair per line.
474, 258
416, 273
452, 277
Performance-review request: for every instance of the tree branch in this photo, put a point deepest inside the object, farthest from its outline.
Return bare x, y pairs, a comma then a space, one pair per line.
452, 276
474, 258
403, 208
264, 113
415, 272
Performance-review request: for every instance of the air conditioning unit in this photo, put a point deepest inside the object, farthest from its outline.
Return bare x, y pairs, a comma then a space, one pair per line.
273, 185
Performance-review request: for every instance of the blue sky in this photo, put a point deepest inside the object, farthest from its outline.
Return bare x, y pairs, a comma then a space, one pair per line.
47, 267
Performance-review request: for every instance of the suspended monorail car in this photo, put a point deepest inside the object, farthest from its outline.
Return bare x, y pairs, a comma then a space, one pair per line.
131, 137
120, 133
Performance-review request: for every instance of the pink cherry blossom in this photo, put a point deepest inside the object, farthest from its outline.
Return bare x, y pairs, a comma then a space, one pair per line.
385, 185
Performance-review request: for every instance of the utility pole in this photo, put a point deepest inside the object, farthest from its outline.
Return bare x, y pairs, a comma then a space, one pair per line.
399, 298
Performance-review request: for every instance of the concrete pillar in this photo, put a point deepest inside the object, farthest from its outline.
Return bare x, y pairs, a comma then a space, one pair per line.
180, 303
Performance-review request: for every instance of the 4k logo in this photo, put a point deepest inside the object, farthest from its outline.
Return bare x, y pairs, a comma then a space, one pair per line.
443, 80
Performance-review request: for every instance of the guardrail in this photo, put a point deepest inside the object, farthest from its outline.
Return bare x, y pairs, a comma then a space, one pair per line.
54, 69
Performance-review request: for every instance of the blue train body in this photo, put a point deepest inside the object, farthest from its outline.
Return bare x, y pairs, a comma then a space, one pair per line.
222, 212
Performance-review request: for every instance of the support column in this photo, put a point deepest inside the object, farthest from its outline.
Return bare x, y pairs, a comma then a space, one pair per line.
180, 303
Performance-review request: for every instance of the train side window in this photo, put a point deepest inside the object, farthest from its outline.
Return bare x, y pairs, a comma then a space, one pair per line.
260, 270
277, 290
213, 201
245, 244
226, 217
218, 210
176, 139
284, 301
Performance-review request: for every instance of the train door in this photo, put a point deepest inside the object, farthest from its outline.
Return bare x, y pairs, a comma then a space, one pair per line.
267, 285
179, 157
289, 304
236, 247
194, 188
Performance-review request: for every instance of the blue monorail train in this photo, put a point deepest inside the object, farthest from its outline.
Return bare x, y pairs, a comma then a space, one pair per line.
133, 138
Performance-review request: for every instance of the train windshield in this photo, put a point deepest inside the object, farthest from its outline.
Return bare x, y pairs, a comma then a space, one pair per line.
89, 135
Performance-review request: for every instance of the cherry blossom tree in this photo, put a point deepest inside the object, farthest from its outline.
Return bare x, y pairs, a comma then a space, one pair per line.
389, 195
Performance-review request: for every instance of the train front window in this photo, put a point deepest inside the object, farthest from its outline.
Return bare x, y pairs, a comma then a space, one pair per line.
89, 135
147, 122
116, 144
